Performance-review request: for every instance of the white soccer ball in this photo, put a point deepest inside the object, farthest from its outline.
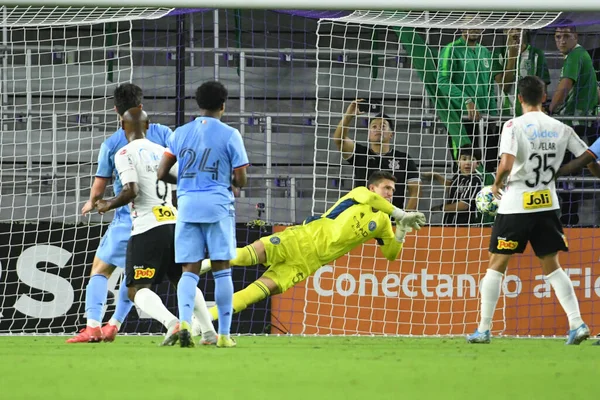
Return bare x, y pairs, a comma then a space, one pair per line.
486, 202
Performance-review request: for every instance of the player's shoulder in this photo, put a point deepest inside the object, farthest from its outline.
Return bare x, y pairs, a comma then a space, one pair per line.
116, 140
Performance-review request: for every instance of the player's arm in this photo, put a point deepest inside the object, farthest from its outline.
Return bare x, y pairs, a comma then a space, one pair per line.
587, 158
103, 176
452, 207
165, 171
239, 160
508, 152
127, 172
390, 242
362, 195
505, 76
340, 135
560, 94
413, 185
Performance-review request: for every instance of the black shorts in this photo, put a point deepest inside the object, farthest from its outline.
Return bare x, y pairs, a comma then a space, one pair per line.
151, 255
511, 232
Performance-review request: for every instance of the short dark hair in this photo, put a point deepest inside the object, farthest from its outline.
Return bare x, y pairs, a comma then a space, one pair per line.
532, 89
378, 176
469, 151
211, 96
386, 118
127, 96
566, 23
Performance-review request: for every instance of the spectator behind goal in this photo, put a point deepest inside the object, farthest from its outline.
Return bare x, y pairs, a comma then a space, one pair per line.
380, 155
461, 190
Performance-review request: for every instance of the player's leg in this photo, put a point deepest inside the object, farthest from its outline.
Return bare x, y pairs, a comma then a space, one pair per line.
546, 246
221, 246
95, 299
252, 254
115, 253
190, 249
257, 291
509, 236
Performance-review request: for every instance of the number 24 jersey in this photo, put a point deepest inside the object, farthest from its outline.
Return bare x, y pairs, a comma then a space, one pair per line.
539, 143
137, 162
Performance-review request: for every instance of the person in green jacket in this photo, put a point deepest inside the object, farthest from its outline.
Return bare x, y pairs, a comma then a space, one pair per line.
519, 58
576, 95
468, 71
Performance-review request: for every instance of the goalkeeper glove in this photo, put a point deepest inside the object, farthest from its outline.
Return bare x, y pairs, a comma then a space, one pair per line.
401, 232
415, 220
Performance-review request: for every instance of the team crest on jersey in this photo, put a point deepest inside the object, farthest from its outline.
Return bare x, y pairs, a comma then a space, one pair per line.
275, 240
394, 164
486, 63
372, 226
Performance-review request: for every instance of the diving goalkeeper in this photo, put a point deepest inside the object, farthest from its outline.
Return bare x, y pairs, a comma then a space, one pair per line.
299, 251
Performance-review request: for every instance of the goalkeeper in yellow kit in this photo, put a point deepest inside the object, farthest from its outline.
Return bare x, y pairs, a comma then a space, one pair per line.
299, 251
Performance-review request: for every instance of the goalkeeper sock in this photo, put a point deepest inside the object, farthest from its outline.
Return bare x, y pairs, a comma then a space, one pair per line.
186, 292
201, 313
123, 304
95, 298
224, 299
245, 257
252, 294
151, 304
490, 293
563, 287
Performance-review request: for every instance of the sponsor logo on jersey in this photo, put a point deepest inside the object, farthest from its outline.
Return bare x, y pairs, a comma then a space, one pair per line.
509, 123
564, 238
143, 273
275, 240
532, 133
507, 244
538, 199
124, 151
372, 226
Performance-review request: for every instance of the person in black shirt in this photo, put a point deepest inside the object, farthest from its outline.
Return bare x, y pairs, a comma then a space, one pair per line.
461, 190
379, 156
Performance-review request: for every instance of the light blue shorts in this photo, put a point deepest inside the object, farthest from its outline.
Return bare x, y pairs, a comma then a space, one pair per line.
113, 246
195, 241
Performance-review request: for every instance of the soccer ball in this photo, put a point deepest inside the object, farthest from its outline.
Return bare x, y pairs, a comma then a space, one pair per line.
486, 202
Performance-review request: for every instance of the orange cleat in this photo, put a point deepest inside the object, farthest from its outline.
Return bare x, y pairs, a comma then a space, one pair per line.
87, 335
109, 332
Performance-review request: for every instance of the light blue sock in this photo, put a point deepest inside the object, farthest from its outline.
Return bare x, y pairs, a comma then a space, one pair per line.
95, 297
224, 299
186, 293
123, 304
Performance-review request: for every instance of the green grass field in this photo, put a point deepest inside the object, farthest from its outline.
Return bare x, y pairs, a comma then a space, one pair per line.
299, 368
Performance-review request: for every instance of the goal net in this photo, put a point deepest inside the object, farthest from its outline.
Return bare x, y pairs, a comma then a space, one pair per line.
288, 90
413, 67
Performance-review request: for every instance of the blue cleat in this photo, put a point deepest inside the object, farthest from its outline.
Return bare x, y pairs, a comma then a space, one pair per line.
480, 337
576, 336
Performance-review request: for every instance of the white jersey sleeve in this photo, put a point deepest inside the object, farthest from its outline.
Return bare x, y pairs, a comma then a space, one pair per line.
125, 166
508, 141
575, 145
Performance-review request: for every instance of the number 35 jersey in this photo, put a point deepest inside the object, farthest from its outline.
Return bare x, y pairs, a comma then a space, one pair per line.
207, 151
539, 143
137, 162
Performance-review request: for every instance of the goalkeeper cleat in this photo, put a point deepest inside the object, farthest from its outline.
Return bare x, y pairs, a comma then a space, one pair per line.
225, 341
576, 336
87, 335
185, 335
480, 337
205, 266
172, 336
209, 339
109, 332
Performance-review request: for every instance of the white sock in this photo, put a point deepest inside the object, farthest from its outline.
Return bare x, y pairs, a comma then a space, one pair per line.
92, 323
490, 293
202, 314
563, 287
151, 304
113, 321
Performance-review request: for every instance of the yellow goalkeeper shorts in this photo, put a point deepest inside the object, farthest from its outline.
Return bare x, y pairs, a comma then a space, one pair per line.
291, 258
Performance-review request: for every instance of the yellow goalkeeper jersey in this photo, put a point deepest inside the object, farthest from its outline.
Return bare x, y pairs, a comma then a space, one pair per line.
356, 218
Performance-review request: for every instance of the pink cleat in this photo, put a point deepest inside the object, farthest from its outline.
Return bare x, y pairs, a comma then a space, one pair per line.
87, 335
109, 332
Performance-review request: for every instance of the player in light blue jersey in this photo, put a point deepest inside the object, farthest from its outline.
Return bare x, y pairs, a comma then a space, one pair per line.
113, 246
211, 158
